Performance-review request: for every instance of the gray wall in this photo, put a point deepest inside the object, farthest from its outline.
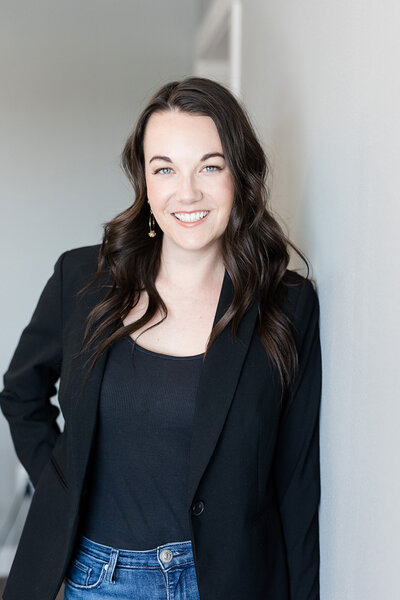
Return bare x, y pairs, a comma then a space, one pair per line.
322, 81
74, 76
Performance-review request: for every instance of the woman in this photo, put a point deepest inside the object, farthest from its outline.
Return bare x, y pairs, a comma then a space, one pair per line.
188, 466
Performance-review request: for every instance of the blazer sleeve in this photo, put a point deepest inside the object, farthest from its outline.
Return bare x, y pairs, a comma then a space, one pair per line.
29, 382
296, 460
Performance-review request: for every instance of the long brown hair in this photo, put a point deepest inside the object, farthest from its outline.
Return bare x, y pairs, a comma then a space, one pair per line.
254, 246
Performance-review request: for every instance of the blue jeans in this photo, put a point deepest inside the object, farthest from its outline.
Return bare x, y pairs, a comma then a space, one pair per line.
163, 573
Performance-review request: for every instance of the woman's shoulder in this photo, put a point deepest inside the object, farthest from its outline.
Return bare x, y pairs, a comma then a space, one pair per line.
82, 254
85, 257
298, 283
301, 293
79, 264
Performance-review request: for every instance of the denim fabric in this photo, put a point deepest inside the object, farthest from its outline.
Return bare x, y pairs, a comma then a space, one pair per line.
163, 573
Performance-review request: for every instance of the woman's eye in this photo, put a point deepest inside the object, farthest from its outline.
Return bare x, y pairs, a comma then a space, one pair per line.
162, 169
166, 170
212, 167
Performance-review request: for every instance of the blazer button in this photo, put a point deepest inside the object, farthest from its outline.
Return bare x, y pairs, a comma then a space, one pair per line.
198, 508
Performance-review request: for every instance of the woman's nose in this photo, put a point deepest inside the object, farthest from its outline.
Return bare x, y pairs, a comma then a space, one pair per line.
188, 188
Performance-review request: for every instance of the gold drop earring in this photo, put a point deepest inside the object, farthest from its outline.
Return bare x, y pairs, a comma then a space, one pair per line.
152, 232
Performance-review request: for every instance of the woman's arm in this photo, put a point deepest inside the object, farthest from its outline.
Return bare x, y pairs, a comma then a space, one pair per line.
296, 461
29, 382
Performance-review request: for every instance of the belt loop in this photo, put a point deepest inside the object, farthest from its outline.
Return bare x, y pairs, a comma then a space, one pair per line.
111, 565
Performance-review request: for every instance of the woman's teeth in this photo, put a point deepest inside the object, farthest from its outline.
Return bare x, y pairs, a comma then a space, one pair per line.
191, 217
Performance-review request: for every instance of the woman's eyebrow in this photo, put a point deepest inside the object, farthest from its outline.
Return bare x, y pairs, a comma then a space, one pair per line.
203, 158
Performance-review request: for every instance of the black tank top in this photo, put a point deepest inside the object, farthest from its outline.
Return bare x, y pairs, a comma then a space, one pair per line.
138, 480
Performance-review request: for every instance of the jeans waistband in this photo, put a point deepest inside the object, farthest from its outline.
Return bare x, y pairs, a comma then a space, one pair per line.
167, 555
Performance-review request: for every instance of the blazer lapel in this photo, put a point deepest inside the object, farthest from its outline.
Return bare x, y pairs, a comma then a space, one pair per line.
86, 395
218, 379
217, 384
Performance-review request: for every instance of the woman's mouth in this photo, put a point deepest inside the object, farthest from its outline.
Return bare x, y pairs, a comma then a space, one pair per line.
191, 219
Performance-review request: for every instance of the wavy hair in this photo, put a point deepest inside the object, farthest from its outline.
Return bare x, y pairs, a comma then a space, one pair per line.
254, 246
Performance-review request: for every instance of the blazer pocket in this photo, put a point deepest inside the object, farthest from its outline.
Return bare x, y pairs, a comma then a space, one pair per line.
58, 458
59, 472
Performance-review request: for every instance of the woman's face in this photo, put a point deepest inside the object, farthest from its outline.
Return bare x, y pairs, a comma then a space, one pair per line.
186, 173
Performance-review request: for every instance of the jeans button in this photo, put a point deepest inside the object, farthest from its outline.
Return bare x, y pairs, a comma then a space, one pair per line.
166, 555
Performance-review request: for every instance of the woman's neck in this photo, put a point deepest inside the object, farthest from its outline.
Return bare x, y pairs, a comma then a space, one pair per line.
190, 272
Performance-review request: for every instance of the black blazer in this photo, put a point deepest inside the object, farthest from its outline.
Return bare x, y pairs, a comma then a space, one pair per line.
254, 482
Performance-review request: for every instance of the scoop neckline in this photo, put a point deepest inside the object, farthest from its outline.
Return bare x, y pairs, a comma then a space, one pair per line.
160, 354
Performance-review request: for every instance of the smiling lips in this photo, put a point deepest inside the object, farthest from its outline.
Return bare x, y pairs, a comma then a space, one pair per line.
191, 218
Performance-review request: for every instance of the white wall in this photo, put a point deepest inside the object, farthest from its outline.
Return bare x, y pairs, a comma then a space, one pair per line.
322, 80
74, 76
